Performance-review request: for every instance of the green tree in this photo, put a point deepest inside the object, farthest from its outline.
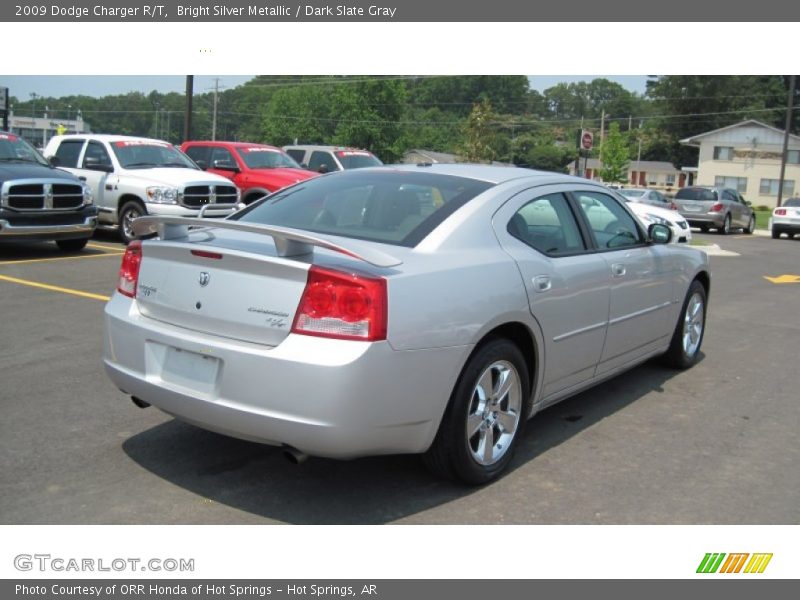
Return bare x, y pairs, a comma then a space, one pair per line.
614, 156
479, 134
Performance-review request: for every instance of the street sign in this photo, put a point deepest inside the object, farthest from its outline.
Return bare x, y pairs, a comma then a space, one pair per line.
587, 140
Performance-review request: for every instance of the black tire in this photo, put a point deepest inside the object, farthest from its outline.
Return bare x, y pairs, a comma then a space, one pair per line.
455, 452
129, 211
683, 352
726, 226
704, 228
776, 234
751, 226
72, 245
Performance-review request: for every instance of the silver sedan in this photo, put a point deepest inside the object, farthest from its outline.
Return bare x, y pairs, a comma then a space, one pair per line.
412, 309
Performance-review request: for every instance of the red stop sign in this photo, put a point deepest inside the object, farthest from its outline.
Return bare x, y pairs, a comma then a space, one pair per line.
587, 140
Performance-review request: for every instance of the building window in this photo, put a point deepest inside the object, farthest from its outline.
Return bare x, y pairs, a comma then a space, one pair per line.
737, 183
671, 179
793, 157
723, 152
769, 187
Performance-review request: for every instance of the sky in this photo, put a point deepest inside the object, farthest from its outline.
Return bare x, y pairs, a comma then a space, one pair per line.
56, 86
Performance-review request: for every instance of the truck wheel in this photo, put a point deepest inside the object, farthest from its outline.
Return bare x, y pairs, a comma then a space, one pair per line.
130, 210
72, 245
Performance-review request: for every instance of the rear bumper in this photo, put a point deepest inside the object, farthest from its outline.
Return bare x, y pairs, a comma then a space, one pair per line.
708, 219
332, 398
48, 225
785, 225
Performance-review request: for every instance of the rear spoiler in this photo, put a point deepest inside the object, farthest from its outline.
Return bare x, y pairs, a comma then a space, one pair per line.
288, 242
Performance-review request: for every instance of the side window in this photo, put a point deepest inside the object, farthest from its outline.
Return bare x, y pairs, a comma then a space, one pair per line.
198, 154
727, 195
97, 154
319, 158
547, 225
296, 154
68, 152
611, 225
220, 157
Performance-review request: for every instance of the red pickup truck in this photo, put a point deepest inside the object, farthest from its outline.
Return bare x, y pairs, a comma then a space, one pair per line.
256, 169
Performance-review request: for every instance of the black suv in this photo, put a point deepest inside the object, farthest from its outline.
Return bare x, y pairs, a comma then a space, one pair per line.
39, 201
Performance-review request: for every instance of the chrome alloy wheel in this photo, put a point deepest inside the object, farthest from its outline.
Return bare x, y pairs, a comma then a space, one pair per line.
693, 321
494, 413
127, 221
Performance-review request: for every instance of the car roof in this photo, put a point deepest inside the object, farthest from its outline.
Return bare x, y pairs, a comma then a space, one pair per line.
231, 144
489, 173
107, 137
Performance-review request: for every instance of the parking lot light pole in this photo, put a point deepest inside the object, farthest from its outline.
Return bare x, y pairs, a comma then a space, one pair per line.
786, 138
187, 115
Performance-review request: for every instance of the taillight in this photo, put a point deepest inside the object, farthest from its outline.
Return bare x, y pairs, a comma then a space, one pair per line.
342, 306
780, 212
716, 208
129, 270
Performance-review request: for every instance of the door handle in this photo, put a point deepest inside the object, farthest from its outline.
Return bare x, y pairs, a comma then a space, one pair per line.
618, 270
542, 283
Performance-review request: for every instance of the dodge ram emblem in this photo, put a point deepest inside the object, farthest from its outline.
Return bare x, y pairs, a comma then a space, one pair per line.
204, 278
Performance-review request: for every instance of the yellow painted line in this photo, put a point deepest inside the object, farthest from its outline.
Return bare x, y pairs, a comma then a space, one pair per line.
116, 248
54, 288
39, 260
784, 279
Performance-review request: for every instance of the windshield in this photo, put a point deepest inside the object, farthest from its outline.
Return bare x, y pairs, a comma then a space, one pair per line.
15, 149
632, 193
696, 194
356, 159
398, 208
262, 157
147, 154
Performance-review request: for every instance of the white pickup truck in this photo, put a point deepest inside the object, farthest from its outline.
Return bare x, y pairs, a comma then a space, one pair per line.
132, 176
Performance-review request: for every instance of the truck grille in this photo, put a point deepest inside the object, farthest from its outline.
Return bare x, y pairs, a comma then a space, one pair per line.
43, 196
195, 196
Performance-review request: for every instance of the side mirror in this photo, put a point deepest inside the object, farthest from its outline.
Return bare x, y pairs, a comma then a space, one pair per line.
659, 234
748, 203
94, 164
225, 165
54, 161
323, 169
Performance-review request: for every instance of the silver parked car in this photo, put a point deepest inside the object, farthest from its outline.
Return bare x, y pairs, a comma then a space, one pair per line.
404, 309
721, 208
648, 196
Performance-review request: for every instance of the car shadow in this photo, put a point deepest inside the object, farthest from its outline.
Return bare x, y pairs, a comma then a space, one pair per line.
257, 479
23, 251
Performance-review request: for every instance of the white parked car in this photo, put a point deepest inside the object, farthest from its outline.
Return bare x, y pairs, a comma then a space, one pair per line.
786, 219
681, 232
131, 177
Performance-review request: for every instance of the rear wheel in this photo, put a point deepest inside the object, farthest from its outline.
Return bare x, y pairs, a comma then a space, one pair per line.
688, 336
485, 417
726, 226
775, 234
704, 228
130, 210
72, 245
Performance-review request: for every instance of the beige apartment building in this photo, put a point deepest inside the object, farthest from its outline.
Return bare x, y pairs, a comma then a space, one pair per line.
747, 157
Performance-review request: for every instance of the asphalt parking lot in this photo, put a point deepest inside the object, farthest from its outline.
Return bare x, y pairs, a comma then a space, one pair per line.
715, 444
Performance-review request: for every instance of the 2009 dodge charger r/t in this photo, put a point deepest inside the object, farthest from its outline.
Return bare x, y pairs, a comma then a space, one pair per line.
425, 309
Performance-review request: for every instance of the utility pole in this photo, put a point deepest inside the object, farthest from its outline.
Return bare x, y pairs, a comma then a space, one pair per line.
602, 135
214, 118
187, 115
786, 138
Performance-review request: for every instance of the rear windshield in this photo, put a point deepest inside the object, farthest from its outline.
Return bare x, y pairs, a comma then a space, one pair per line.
696, 194
792, 202
399, 207
356, 159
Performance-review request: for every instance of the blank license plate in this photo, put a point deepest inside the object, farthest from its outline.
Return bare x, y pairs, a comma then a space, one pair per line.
191, 370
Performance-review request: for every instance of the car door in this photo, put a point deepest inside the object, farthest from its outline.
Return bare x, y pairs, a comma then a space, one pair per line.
731, 201
640, 278
567, 285
98, 171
